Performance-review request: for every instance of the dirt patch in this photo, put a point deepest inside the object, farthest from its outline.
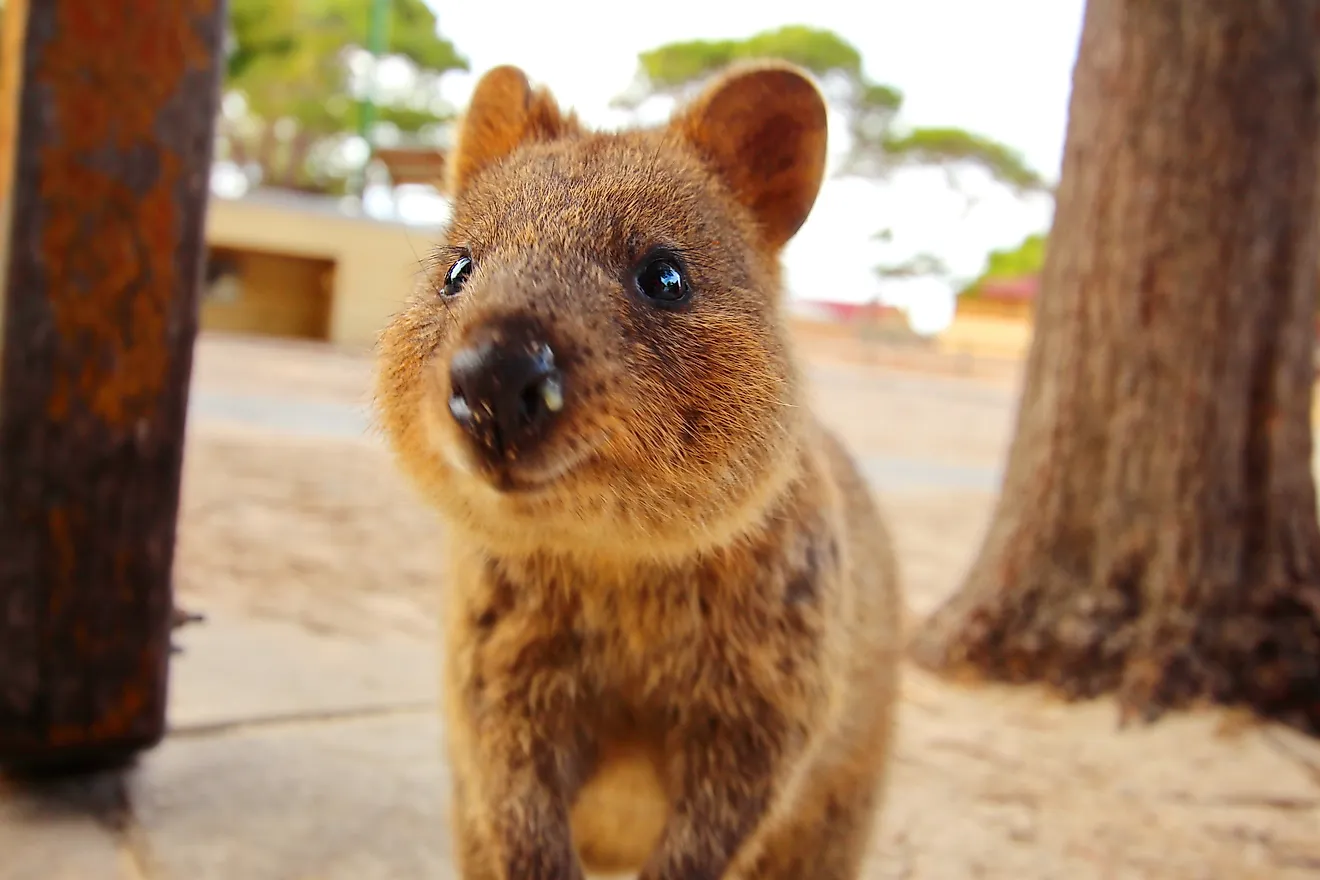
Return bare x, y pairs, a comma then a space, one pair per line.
323, 532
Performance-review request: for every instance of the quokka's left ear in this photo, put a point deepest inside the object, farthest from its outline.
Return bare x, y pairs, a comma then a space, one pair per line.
763, 128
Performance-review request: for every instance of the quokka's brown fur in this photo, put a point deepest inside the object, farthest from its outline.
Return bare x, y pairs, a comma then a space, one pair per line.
671, 611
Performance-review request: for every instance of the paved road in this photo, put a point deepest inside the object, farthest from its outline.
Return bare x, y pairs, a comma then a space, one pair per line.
288, 415
340, 420
945, 389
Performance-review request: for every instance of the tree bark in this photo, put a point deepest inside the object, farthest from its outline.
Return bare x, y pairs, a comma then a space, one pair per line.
111, 165
1156, 535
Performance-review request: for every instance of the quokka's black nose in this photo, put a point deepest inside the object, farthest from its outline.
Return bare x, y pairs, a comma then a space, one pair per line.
505, 389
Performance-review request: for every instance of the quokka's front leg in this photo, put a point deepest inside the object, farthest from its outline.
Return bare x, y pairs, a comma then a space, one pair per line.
512, 808
518, 749
725, 772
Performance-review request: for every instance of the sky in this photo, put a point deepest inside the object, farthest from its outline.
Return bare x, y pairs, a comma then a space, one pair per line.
1001, 69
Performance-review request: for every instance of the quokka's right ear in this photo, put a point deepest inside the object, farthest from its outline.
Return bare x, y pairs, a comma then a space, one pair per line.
504, 113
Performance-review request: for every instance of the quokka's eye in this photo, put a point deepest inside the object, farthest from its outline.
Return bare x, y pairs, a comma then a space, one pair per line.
660, 279
457, 275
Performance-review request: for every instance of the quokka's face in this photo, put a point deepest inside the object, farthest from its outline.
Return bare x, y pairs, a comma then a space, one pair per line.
598, 359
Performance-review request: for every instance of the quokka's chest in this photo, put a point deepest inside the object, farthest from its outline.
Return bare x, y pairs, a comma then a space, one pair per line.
635, 652
607, 642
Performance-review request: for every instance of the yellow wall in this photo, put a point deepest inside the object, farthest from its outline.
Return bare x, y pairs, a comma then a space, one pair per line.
989, 328
376, 263
1016, 310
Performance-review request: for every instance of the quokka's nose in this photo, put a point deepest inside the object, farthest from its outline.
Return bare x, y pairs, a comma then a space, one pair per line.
505, 389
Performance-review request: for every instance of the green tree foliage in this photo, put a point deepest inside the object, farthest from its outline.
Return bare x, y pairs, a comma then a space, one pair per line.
943, 146
287, 58
871, 108
291, 62
1027, 258
677, 65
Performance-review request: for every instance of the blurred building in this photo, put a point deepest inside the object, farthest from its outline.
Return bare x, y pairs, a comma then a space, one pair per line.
997, 321
297, 265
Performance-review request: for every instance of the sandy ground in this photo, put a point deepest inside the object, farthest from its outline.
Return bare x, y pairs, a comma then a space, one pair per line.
291, 511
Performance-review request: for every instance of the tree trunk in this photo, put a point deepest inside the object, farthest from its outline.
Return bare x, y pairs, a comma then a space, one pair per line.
110, 179
1156, 534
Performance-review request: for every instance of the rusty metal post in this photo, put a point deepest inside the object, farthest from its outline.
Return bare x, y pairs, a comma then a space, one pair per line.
109, 173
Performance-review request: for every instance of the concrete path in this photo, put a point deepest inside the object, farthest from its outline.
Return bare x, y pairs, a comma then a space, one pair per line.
291, 756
